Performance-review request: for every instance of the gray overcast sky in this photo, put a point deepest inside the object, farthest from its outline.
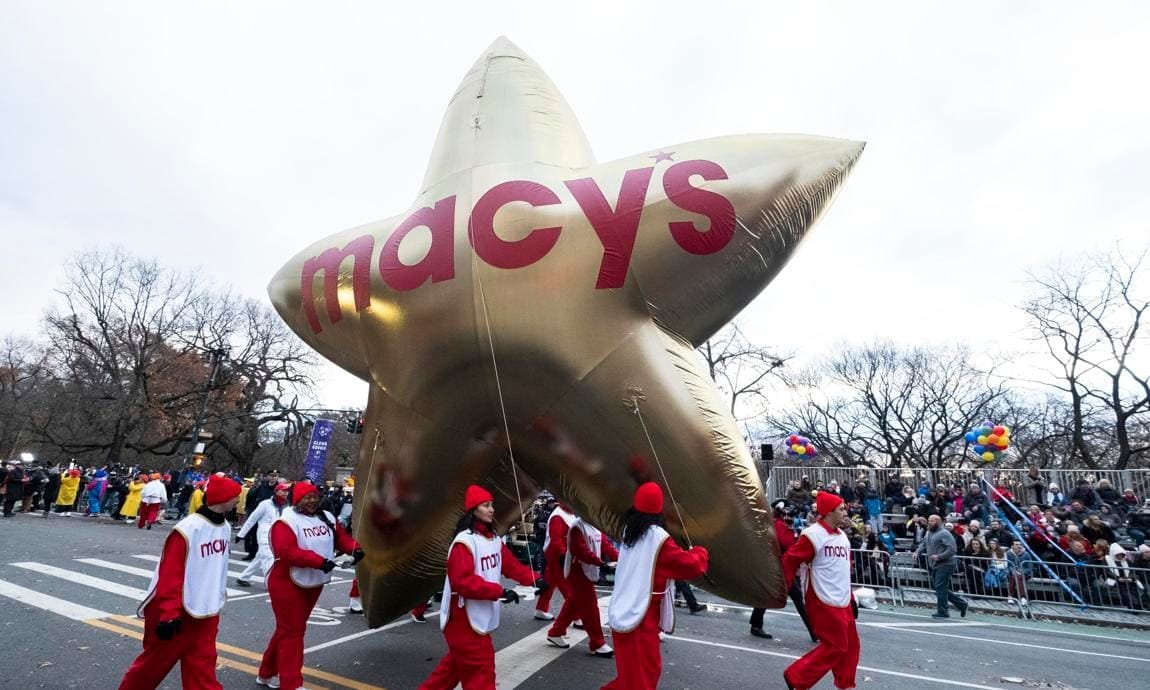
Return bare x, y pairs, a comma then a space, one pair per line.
227, 136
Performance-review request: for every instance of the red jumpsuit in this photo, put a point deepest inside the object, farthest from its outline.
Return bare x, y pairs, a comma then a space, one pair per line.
470, 658
291, 603
553, 564
838, 648
638, 662
194, 646
583, 604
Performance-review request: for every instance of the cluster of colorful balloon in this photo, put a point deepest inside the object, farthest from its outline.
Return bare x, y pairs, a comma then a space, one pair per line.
990, 441
801, 447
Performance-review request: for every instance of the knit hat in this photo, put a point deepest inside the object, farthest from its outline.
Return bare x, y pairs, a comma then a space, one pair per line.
283, 486
649, 498
827, 502
476, 495
302, 489
221, 490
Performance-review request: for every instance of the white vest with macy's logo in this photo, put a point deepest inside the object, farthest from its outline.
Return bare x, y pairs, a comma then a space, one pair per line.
563, 515
312, 534
634, 582
488, 554
594, 540
829, 573
205, 566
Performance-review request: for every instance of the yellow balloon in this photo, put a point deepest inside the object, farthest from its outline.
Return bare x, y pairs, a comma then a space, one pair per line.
458, 311
801, 450
983, 440
988, 456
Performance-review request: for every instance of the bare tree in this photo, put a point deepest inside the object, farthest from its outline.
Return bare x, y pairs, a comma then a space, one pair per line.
880, 405
23, 373
742, 370
1091, 317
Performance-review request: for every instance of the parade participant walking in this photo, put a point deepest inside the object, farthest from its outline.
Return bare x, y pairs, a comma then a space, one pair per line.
151, 498
188, 589
785, 537
472, 595
69, 487
939, 549
588, 550
197, 498
642, 604
822, 557
131, 507
95, 492
262, 518
554, 551
303, 541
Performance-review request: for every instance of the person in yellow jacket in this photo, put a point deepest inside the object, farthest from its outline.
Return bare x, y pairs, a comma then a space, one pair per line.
69, 485
197, 499
241, 507
131, 507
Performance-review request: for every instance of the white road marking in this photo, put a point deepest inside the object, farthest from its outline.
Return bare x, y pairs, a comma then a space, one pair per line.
141, 572
1044, 647
231, 573
364, 633
241, 562
868, 669
921, 625
87, 580
50, 603
519, 662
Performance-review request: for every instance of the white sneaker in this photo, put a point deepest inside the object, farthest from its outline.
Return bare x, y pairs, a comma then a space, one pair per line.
1011, 600
662, 636
560, 642
273, 682
605, 651
544, 616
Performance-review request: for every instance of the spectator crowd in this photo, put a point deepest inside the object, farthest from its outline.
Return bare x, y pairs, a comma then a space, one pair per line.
1017, 540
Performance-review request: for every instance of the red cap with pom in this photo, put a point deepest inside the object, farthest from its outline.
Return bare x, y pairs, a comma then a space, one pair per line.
476, 495
649, 498
302, 489
221, 490
825, 502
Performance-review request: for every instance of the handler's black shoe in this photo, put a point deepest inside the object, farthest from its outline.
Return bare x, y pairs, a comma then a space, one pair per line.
243, 583
962, 611
759, 632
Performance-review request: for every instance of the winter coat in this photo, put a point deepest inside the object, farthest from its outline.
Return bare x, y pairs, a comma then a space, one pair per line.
131, 507
69, 486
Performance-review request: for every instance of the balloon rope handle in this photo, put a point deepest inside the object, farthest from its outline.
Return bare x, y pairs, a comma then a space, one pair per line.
658, 462
503, 413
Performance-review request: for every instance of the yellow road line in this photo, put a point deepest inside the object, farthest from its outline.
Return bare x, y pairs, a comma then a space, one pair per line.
237, 651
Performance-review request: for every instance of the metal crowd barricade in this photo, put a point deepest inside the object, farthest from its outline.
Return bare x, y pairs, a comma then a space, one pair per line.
872, 568
982, 581
1099, 587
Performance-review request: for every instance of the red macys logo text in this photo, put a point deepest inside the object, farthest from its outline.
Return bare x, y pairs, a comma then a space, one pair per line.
213, 547
831, 551
489, 562
317, 531
615, 227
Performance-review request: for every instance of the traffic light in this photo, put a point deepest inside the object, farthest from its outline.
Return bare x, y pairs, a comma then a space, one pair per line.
197, 460
352, 424
359, 426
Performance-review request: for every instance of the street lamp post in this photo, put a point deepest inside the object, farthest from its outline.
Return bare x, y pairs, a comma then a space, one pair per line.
217, 356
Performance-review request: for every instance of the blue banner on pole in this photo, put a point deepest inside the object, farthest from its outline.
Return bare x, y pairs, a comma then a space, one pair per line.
317, 451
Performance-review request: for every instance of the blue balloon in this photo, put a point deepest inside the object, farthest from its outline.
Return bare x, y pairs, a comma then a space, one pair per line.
980, 449
971, 437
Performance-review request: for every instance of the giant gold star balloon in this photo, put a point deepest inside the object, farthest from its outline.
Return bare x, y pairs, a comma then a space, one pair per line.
530, 321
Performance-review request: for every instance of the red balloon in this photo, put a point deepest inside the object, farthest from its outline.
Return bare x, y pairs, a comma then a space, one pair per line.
999, 430
792, 439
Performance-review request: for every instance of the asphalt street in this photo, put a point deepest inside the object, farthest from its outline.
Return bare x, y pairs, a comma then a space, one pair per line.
69, 589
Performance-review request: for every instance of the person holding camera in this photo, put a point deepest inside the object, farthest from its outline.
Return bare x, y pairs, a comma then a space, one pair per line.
303, 542
472, 595
181, 611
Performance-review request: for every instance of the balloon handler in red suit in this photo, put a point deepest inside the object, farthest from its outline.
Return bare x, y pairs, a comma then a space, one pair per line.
554, 552
643, 600
822, 558
182, 609
303, 542
588, 549
472, 595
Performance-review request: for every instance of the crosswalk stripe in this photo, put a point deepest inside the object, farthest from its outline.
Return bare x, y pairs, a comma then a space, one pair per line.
517, 663
141, 572
231, 573
49, 603
82, 579
243, 563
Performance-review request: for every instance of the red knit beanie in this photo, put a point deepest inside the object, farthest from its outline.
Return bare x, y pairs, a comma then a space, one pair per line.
476, 495
825, 502
221, 490
302, 489
649, 498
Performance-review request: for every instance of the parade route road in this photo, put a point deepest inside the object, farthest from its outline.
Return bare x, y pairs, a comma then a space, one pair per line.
69, 589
